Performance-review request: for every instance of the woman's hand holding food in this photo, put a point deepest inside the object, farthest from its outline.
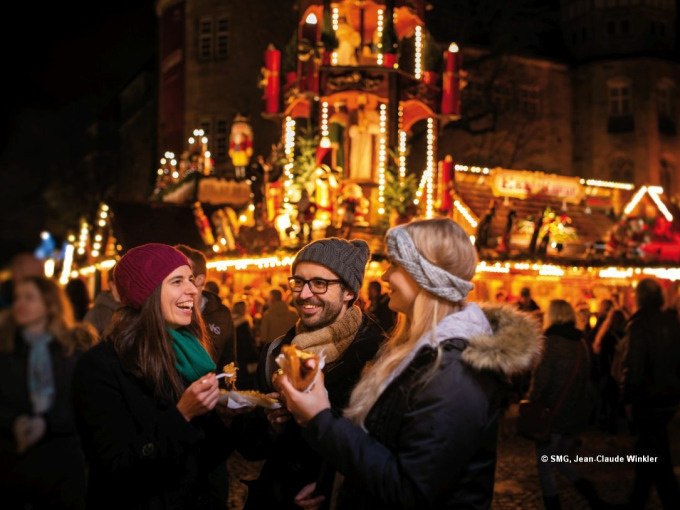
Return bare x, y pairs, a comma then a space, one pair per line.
304, 405
199, 398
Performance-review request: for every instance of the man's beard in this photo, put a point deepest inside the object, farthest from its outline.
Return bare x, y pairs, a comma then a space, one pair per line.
328, 314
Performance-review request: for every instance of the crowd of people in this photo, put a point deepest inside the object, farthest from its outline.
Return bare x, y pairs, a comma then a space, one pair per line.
117, 404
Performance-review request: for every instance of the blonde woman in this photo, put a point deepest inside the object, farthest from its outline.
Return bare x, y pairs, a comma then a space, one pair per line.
41, 462
420, 430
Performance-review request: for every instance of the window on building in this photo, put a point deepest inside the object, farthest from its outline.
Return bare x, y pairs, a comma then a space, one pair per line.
665, 106
529, 100
502, 97
206, 124
620, 106
622, 169
666, 175
221, 140
222, 37
619, 98
205, 38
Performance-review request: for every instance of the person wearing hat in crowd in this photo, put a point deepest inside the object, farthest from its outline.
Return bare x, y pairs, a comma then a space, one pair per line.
325, 281
143, 397
421, 427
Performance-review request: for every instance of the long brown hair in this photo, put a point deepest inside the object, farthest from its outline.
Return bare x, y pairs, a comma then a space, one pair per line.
444, 243
60, 321
141, 340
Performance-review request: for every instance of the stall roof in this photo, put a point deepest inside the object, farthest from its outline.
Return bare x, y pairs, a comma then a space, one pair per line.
477, 194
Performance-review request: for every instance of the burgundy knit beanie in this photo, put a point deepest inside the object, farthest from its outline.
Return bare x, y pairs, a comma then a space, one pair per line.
142, 269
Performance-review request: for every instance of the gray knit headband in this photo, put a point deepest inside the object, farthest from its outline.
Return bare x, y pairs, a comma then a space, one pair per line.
432, 278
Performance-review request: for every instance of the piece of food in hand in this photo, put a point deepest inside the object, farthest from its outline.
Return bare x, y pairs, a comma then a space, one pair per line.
253, 397
295, 366
230, 374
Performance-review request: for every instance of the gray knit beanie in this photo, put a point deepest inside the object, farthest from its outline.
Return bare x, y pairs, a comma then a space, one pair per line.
347, 259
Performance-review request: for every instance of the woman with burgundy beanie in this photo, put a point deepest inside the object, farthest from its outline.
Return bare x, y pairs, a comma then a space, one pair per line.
143, 397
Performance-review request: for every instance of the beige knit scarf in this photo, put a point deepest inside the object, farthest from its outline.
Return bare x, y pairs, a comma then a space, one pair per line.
333, 339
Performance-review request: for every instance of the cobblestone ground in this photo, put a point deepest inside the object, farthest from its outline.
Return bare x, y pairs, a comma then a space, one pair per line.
516, 476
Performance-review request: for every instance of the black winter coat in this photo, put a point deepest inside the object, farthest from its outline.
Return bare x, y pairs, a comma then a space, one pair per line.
142, 453
57, 458
431, 443
291, 463
651, 366
220, 326
563, 345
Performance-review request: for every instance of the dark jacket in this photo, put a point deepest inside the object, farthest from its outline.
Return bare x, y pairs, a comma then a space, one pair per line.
220, 327
651, 359
101, 312
291, 463
142, 453
55, 462
381, 312
430, 438
246, 354
563, 344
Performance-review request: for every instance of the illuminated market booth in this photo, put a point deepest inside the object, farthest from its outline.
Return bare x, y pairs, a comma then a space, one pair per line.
348, 93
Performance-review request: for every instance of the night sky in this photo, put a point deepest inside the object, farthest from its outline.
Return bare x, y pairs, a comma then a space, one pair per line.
62, 72
67, 63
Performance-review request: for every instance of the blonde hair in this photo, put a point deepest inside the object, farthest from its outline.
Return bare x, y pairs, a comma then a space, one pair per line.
445, 244
559, 312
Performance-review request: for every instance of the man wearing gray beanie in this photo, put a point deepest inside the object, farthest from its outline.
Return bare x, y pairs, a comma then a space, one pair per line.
326, 277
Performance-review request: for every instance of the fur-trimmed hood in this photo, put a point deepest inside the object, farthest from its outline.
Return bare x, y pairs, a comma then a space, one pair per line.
500, 338
513, 345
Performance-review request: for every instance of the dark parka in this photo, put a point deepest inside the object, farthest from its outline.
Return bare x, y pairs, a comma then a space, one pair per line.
651, 360
57, 457
147, 456
562, 346
220, 327
430, 439
291, 463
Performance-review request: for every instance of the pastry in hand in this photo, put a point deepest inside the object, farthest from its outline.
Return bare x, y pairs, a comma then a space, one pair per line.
296, 366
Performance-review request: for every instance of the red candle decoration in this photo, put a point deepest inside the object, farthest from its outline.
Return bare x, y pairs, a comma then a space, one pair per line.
446, 184
453, 60
272, 62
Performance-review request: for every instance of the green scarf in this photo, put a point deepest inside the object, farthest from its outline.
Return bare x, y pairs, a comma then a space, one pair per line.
191, 359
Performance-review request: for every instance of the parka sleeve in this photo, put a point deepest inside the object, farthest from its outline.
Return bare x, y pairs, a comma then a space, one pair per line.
119, 442
439, 434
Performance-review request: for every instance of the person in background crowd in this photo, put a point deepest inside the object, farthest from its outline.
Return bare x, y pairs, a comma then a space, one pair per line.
220, 328
378, 307
325, 281
246, 350
143, 398
650, 379
606, 341
565, 363
77, 292
212, 286
41, 462
421, 427
106, 302
526, 303
277, 318
216, 316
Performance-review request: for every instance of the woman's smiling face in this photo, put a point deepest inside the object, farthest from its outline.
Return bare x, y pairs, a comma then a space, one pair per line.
178, 292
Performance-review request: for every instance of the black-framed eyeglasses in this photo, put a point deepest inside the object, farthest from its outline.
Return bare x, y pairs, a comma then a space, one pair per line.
316, 285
